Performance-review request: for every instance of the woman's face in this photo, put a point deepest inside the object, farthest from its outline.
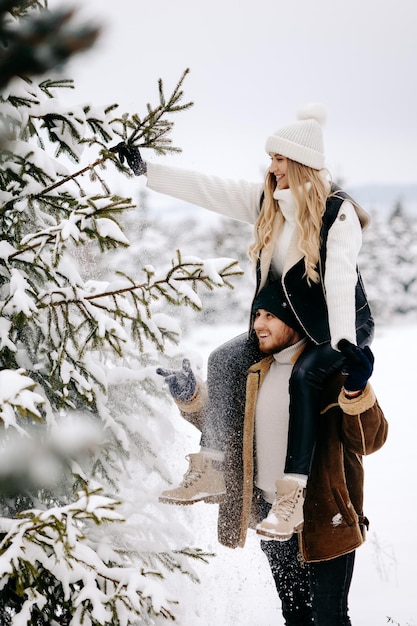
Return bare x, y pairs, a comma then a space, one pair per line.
278, 168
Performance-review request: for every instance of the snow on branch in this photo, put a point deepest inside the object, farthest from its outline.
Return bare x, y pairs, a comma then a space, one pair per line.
54, 545
17, 398
80, 337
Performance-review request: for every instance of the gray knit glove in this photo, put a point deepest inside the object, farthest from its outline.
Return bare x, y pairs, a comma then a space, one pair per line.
182, 383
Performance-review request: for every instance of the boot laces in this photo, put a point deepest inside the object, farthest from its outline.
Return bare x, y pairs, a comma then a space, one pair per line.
191, 476
284, 505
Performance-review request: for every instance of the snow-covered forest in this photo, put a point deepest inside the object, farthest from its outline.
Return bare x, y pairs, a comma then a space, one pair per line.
96, 290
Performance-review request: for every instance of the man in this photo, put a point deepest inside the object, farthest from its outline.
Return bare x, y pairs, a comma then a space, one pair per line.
313, 568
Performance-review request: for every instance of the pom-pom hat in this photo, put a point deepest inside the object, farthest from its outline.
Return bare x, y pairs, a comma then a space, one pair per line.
301, 141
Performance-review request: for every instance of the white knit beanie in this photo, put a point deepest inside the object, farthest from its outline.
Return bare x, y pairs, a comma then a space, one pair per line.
303, 140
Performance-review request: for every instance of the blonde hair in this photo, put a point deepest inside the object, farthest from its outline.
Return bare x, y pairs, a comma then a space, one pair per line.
310, 190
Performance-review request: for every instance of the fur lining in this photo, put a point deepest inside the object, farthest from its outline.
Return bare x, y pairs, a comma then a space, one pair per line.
192, 411
355, 406
256, 375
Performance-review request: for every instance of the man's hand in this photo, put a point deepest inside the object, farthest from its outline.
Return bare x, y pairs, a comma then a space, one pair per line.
182, 383
132, 156
359, 365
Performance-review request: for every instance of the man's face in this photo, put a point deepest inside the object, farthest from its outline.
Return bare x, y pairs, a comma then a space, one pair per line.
272, 333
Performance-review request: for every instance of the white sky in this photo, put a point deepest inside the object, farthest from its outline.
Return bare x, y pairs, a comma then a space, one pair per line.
253, 64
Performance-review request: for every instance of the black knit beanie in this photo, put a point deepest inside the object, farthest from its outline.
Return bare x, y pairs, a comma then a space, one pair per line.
272, 299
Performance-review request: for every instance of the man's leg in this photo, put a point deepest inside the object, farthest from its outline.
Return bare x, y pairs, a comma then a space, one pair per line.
290, 577
330, 584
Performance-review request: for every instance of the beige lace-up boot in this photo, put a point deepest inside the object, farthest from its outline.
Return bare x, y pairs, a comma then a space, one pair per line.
201, 482
286, 515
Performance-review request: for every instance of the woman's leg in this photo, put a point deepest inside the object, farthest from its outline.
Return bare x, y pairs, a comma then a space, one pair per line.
226, 384
309, 373
330, 584
311, 369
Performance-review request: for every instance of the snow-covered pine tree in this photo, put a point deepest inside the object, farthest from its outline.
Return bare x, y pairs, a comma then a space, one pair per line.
83, 539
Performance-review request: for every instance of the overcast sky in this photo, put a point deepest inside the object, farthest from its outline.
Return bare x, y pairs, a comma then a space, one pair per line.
253, 64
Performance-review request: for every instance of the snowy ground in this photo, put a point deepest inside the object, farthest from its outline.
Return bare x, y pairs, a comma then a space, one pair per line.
236, 587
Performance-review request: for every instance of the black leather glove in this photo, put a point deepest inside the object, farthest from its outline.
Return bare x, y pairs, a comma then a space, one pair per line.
182, 383
359, 365
132, 156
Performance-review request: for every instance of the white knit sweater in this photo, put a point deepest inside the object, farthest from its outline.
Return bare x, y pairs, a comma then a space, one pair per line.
240, 200
271, 421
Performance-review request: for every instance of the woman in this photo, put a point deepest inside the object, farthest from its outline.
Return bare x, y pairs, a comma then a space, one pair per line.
308, 235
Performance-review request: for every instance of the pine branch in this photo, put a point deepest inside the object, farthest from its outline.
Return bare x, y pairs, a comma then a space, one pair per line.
70, 177
59, 536
194, 278
52, 235
150, 128
150, 132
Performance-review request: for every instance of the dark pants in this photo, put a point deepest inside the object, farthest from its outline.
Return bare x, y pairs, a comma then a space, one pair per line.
330, 584
226, 382
311, 594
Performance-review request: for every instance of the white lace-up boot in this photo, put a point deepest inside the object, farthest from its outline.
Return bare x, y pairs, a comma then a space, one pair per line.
286, 515
201, 482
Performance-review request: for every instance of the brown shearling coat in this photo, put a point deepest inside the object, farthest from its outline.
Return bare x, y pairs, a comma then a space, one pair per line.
334, 523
